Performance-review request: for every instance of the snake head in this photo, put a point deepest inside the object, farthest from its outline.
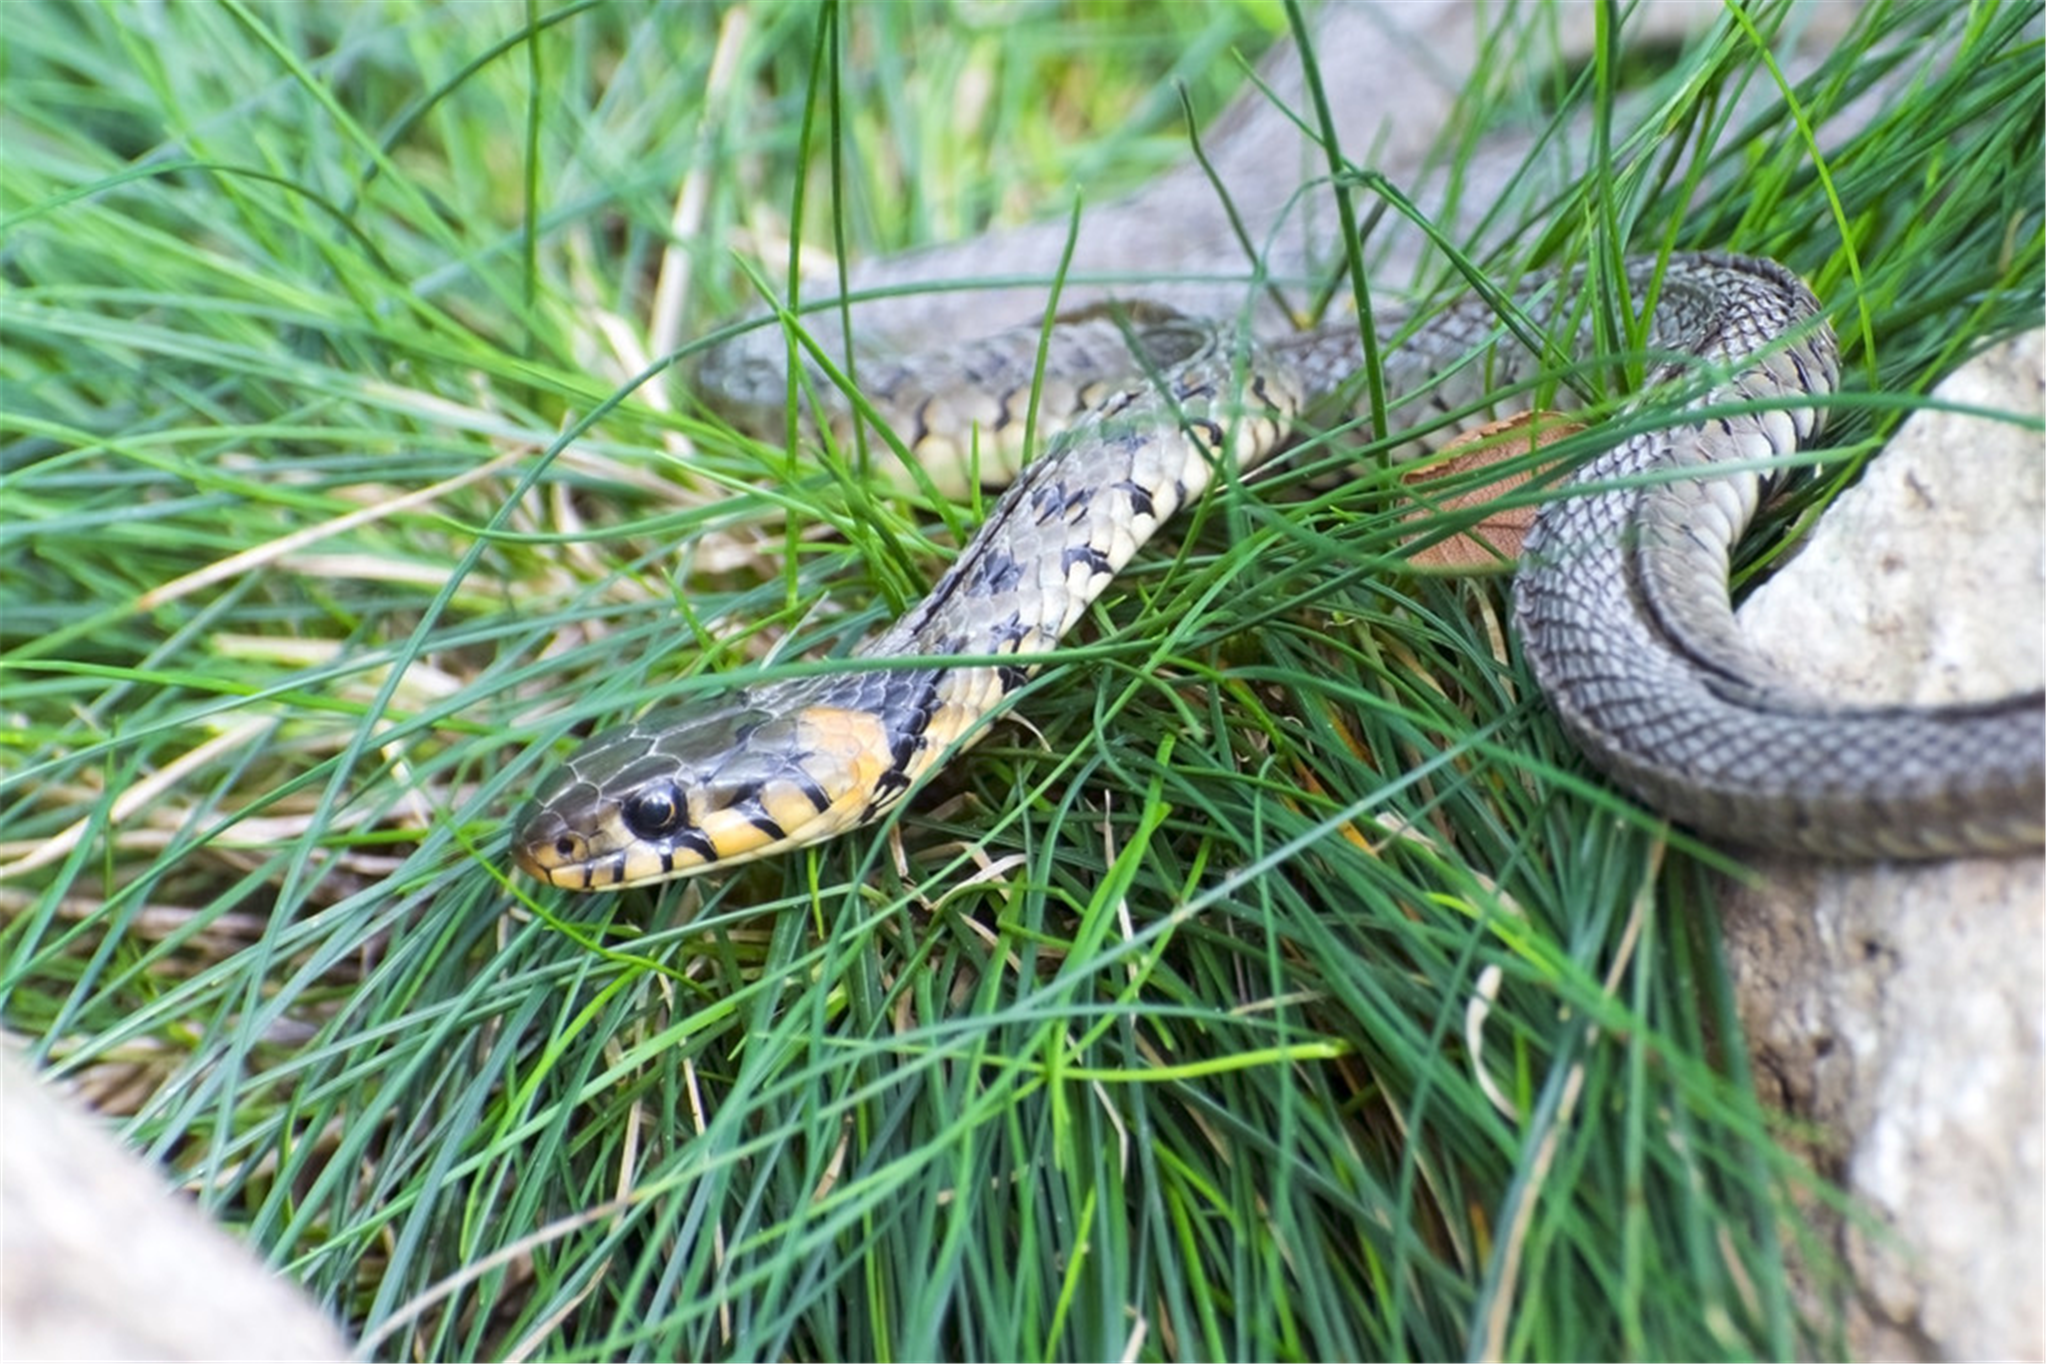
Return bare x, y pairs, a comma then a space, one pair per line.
681, 791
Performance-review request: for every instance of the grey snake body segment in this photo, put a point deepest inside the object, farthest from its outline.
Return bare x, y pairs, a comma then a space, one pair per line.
1621, 601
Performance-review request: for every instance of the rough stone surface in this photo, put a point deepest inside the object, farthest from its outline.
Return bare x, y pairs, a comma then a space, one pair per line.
1899, 1008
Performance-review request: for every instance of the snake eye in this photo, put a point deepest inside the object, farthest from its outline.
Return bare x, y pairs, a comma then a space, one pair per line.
653, 812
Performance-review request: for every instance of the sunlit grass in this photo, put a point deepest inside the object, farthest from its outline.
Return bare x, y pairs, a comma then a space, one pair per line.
1279, 984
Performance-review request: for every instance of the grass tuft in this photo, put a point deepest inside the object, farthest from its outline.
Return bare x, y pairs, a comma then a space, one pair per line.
1277, 986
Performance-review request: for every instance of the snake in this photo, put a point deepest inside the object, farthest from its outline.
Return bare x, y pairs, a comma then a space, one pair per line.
1621, 602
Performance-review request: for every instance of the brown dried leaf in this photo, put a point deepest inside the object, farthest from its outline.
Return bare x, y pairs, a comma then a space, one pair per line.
1494, 541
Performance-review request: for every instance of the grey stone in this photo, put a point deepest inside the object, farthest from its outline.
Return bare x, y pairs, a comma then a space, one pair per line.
1898, 1008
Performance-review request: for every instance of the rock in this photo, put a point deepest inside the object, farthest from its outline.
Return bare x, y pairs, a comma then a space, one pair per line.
1898, 1007
98, 1260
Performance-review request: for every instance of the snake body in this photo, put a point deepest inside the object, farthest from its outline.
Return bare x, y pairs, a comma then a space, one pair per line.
1621, 602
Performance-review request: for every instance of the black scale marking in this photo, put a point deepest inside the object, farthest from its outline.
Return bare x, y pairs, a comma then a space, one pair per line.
812, 792
757, 816
1094, 559
997, 572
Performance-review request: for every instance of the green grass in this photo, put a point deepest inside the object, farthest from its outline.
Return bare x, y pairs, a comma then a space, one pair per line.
1144, 1032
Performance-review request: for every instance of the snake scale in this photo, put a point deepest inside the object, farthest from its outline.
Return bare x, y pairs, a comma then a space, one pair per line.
1621, 602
